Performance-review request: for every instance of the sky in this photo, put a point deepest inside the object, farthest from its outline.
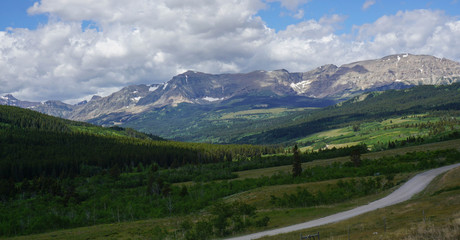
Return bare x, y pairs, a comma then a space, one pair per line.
70, 50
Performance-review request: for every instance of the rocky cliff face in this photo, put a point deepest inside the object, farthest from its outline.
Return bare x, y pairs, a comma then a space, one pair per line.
386, 73
328, 81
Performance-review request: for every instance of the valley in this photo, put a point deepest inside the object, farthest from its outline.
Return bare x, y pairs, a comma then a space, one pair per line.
216, 158
124, 187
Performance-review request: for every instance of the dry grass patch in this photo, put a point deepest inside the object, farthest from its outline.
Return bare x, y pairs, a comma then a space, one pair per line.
450, 231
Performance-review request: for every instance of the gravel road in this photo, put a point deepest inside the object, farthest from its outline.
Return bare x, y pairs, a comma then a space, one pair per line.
404, 193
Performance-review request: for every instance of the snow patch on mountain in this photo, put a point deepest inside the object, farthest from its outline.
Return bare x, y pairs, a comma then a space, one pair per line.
301, 87
153, 88
136, 99
212, 99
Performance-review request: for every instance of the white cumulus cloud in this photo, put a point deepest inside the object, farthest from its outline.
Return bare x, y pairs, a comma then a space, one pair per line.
144, 41
418, 31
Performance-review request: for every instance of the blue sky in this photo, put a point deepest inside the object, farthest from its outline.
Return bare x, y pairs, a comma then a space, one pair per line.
70, 50
13, 13
278, 17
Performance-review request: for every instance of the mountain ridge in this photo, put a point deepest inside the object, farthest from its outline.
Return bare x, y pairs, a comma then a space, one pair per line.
328, 82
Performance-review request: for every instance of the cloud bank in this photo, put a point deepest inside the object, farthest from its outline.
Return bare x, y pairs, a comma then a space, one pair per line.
144, 41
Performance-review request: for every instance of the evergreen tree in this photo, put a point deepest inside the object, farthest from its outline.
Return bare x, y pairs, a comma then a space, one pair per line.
183, 191
296, 165
115, 172
355, 157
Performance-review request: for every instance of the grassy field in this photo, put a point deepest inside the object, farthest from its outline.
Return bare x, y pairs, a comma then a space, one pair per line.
124, 230
374, 134
433, 214
440, 203
260, 113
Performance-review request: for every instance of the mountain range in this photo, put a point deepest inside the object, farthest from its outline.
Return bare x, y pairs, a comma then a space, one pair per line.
323, 86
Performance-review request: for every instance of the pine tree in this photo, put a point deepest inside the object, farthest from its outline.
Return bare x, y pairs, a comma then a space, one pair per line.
115, 172
355, 157
296, 165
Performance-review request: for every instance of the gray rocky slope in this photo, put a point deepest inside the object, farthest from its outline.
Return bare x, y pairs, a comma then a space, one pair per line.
325, 82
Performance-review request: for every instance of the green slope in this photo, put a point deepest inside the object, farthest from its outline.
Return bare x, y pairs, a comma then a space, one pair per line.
368, 107
19, 118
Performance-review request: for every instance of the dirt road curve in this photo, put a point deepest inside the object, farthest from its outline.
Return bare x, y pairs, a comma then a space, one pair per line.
405, 192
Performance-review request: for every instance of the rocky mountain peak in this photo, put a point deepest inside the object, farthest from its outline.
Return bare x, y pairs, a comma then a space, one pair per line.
10, 100
281, 70
9, 97
123, 100
95, 97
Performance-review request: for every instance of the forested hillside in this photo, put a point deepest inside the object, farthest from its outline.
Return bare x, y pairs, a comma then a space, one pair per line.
34, 144
62, 168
